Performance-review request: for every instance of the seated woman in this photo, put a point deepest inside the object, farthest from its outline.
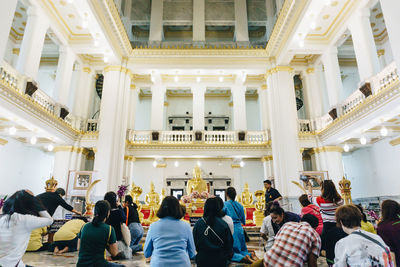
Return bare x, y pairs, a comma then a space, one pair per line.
95, 237
66, 238
235, 210
279, 217
225, 217
169, 241
212, 237
359, 248
116, 218
22, 213
35, 240
308, 208
365, 224
133, 222
266, 230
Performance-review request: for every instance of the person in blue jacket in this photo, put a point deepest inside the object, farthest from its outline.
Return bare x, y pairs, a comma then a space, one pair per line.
169, 241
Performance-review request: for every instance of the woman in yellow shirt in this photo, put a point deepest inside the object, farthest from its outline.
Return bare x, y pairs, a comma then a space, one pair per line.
365, 225
35, 240
66, 238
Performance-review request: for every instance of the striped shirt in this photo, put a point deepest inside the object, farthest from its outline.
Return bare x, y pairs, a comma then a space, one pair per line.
293, 245
327, 208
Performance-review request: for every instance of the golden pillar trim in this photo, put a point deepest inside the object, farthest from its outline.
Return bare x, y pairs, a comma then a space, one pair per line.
95, 149
15, 51
86, 69
395, 142
129, 158
310, 70
327, 149
63, 149
381, 52
133, 87
230, 104
166, 104
161, 165
264, 87
3, 141
235, 166
278, 69
118, 68
302, 150
266, 158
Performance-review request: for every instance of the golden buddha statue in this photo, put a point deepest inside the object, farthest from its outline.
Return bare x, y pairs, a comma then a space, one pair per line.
136, 191
51, 185
163, 194
152, 201
246, 198
196, 184
258, 214
345, 190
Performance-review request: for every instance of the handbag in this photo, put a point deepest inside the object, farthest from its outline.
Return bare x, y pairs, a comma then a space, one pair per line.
246, 236
126, 234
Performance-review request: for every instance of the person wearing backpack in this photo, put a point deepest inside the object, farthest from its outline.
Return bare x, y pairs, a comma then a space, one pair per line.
212, 236
359, 248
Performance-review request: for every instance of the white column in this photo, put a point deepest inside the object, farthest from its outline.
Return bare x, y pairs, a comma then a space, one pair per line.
333, 79
64, 74
364, 43
381, 58
133, 94
313, 94
199, 26
239, 107
279, 5
109, 159
67, 158
330, 159
32, 43
128, 168
157, 107
267, 165
283, 120
236, 183
390, 10
241, 26
263, 103
269, 6
7, 11
198, 107
83, 92
156, 22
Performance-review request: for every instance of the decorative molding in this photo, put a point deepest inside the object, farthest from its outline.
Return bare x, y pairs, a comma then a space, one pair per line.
381, 52
267, 158
234, 166
278, 69
86, 69
129, 158
161, 165
395, 142
264, 87
15, 51
318, 150
196, 146
198, 52
3, 142
310, 70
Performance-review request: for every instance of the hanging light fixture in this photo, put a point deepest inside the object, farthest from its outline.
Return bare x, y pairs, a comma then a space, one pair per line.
50, 147
363, 140
12, 130
33, 140
384, 131
346, 148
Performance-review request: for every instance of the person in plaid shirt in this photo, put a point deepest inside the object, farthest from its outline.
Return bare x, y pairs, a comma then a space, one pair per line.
295, 244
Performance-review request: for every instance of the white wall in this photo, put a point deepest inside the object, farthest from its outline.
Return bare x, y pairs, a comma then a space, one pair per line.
179, 106
374, 171
143, 114
253, 114
46, 79
24, 167
218, 106
350, 83
144, 172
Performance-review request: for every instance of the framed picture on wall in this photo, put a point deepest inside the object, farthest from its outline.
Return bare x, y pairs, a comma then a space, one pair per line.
178, 193
220, 193
314, 177
79, 182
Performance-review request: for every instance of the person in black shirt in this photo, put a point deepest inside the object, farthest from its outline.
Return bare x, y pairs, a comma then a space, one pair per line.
133, 222
271, 193
51, 200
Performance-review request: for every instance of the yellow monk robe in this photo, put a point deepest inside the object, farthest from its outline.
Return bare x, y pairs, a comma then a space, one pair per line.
69, 230
35, 241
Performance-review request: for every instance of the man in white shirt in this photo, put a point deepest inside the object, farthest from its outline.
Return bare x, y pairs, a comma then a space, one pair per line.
359, 248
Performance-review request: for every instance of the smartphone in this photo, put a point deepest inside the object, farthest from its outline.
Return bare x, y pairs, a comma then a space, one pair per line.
304, 178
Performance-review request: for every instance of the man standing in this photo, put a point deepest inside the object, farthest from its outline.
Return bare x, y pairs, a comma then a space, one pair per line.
51, 200
271, 193
295, 244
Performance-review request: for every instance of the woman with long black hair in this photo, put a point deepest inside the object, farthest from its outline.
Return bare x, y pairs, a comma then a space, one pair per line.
22, 214
96, 237
212, 236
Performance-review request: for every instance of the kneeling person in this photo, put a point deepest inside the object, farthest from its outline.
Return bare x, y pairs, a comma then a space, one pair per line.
66, 238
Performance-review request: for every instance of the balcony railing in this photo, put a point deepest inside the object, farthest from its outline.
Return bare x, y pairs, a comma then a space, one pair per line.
45, 101
197, 137
379, 82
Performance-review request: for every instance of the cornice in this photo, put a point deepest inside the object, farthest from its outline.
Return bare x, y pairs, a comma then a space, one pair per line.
195, 146
318, 150
3, 142
129, 158
278, 69
395, 142
266, 158
199, 52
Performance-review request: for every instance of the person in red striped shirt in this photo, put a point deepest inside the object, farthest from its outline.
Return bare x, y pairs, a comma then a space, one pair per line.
328, 202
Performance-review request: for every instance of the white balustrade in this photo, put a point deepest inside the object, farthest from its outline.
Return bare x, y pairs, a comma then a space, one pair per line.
220, 137
176, 137
139, 137
351, 102
44, 100
91, 125
384, 78
257, 137
11, 77
305, 126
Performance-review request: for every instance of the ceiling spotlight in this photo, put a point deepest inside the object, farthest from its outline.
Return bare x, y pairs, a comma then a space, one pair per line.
198, 163
50, 147
96, 43
33, 140
106, 59
154, 164
198, 79
327, 2
12, 130
363, 140
346, 148
384, 131
176, 164
241, 164
84, 24
313, 25
221, 79
153, 79
301, 43
176, 79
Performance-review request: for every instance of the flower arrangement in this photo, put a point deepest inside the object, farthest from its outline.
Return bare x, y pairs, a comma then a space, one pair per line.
2, 200
186, 199
122, 191
373, 215
204, 195
195, 194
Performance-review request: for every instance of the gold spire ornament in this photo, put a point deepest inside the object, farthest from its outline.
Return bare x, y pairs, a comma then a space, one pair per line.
51, 184
345, 190
90, 205
258, 214
135, 193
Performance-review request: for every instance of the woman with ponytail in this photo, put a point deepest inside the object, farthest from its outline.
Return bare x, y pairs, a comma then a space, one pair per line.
22, 214
96, 237
212, 236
